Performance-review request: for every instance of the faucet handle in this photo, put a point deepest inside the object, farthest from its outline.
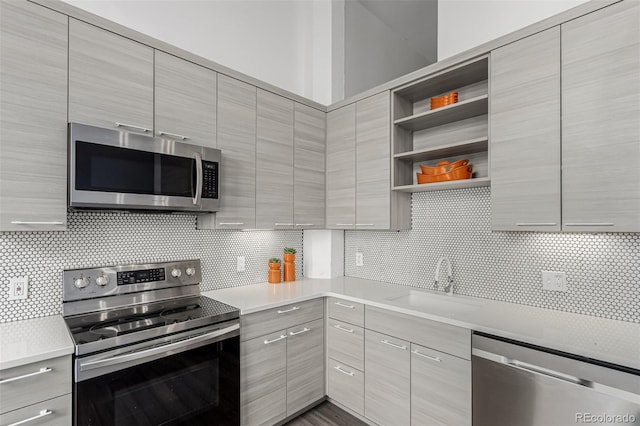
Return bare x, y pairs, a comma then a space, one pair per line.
448, 288
435, 285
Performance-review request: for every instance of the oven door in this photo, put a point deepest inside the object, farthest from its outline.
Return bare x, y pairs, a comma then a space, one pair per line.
186, 379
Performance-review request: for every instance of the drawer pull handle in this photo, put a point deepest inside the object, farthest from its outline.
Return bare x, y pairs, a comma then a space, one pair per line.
365, 224
339, 327
304, 224
344, 305
283, 224
432, 358
132, 126
43, 413
589, 224
231, 223
386, 342
174, 135
24, 222
344, 224
295, 308
282, 336
348, 373
536, 224
24, 376
295, 333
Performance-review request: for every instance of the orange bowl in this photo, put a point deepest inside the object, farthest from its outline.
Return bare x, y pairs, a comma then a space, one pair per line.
443, 167
463, 172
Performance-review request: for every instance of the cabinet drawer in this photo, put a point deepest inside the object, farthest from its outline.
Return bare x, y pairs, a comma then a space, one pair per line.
31, 383
261, 323
346, 343
432, 334
53, 412
346, 311
440, 388
346, 386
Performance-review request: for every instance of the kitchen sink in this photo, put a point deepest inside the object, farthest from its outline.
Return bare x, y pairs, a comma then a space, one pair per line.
436, 303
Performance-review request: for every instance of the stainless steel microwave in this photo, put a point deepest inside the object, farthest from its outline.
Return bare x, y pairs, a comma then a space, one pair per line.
117, 170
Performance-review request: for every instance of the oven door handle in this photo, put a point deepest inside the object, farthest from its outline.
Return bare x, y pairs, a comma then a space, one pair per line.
162, 350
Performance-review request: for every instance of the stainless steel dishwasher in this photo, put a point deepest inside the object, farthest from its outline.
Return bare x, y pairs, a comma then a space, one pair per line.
517, 384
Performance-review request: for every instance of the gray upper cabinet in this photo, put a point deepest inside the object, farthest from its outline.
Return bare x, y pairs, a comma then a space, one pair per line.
309, 167
110, 79
185, 100
274, 162
237, 140
33, 122
525, 134
600, 116
373, 162
341, 173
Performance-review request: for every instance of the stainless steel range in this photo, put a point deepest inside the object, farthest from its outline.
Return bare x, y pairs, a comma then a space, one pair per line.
149, 349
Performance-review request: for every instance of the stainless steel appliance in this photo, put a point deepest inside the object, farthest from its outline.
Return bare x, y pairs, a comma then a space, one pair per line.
116, 170
518, 384
149, 349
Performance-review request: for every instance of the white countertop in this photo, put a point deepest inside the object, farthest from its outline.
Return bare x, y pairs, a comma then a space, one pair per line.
33, 340
612, 341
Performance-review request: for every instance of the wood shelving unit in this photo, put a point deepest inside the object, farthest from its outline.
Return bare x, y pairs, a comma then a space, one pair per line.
421, 135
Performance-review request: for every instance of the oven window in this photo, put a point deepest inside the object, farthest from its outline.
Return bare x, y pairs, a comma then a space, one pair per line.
190, 388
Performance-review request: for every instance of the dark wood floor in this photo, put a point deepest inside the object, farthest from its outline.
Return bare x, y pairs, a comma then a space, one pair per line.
326, 414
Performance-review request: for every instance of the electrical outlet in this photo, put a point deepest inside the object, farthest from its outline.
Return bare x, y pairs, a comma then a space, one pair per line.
18, 288
240, 264
359, 259
554, 281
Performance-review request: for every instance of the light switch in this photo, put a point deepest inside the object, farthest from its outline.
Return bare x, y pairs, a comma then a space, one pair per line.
240, 264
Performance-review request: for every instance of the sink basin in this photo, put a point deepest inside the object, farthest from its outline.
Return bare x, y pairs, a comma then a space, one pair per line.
436, 303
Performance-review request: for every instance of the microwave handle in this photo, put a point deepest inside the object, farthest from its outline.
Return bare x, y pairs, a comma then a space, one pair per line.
199, 176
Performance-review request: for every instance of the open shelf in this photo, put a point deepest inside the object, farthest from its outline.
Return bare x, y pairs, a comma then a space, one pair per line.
441, 186
470, 146
445, 115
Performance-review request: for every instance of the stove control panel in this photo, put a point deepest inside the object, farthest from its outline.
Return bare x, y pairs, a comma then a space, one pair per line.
92, 283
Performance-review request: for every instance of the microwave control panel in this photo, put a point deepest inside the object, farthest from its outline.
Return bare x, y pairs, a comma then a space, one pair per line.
209, 179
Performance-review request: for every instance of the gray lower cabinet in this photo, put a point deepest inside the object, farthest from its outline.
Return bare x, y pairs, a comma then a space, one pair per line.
600, 113
309, 167
440, 388
274, 162
387, 379
33, 122
346, 385
237, 140
346, 343
305, 365
525, 134
37, 393
263, 379
110, 79
185, 100
341, 172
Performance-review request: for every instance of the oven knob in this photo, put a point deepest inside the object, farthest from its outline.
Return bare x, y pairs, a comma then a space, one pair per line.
102, 280
176, 273
190, 271
81, 282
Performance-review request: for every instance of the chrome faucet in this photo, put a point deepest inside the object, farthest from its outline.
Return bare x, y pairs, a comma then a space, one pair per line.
448, 287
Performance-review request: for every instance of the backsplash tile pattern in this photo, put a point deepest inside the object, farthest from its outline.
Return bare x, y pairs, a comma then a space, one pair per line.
603, 270
99, 239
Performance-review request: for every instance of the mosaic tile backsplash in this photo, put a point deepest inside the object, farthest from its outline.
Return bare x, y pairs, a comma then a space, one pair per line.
603, 270
98, 239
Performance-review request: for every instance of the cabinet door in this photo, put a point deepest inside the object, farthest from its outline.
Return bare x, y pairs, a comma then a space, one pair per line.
346, 385
33, 122
237, 140
185, 100
525, 134
386, 379
600, 116
305, 365
309, 167
110, 79
440, 388
263, 380
373, 162
341, 163
274, 162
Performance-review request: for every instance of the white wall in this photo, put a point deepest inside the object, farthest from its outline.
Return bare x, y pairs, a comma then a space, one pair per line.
283, 42
463, 24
